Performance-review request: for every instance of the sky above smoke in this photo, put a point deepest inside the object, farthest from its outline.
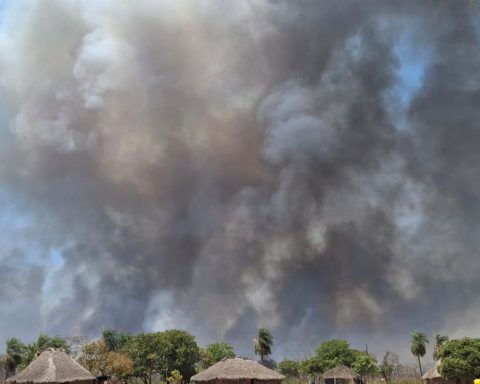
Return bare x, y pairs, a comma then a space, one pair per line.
308, 166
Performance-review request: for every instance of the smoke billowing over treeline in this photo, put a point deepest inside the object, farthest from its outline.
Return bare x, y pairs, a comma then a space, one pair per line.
309, 166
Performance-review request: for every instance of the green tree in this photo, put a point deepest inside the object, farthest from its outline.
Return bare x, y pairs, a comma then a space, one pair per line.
333, 353
365, 364
289, 368
215, 352
263, 343
460, 359
310, 367
147, 351
14, 355
439, 341
183, 352
418, 346
161, 353
115, 340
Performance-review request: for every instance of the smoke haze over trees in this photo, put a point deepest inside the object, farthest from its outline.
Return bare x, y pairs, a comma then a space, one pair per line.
307, 166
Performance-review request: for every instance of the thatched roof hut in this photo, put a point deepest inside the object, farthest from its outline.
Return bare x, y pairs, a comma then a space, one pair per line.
238, 371
341, 375
53, 366
432, 376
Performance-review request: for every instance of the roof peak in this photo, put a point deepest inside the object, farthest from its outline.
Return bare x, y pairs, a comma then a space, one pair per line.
237, 368
52, 365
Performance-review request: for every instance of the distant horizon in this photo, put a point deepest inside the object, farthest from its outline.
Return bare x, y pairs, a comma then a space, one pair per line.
405, 359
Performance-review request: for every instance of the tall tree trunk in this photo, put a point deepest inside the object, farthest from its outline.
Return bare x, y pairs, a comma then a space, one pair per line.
420, 366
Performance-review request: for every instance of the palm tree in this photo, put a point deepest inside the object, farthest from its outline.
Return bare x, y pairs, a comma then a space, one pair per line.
14, 355
263, 343
43, 342
439, 341
419, 346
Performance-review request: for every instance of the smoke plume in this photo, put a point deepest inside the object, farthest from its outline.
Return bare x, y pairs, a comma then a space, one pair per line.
309, 166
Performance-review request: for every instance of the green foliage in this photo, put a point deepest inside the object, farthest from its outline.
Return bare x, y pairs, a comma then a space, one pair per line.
460, 359
440, 340
215, 352
333, 353
310, 367
147, 352
115, 340
175, 377
263, 343
162, 352
453, 367
365, 364
43, 342
289, 368
419, 343
419, 346
14, 355
183, 352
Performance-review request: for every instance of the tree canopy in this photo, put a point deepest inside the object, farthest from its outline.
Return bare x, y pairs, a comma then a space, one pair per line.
161, 353
215, 352
263, 343
289, 368
418, 346
364, 364
440, 340
115, 340
100, 360
460, 359
333, 353
14, 355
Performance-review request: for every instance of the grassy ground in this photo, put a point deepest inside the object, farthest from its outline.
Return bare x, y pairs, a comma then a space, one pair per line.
375, 380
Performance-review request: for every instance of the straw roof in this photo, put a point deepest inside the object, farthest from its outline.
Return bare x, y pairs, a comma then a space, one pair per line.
341, 372
52, 366
433, 372
237, 369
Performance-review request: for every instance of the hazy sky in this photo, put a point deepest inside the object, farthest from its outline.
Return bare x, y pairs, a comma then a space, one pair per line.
308, 166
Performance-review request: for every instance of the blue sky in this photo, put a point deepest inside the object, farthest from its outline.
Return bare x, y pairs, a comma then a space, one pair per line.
2, 6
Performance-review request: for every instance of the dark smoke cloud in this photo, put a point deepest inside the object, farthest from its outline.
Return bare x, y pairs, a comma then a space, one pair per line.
220, 167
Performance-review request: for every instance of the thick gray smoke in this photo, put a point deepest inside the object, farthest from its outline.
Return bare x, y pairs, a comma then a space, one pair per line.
309, 166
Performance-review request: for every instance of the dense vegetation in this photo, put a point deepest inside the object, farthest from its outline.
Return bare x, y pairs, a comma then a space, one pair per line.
460, 359
173, 356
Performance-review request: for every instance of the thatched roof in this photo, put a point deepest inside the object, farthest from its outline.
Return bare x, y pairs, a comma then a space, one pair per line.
52, 366
341, 372
433, 373
237, 369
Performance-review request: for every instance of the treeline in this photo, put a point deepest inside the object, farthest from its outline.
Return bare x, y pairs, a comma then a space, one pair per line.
328, 355
173, 355
460, 359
